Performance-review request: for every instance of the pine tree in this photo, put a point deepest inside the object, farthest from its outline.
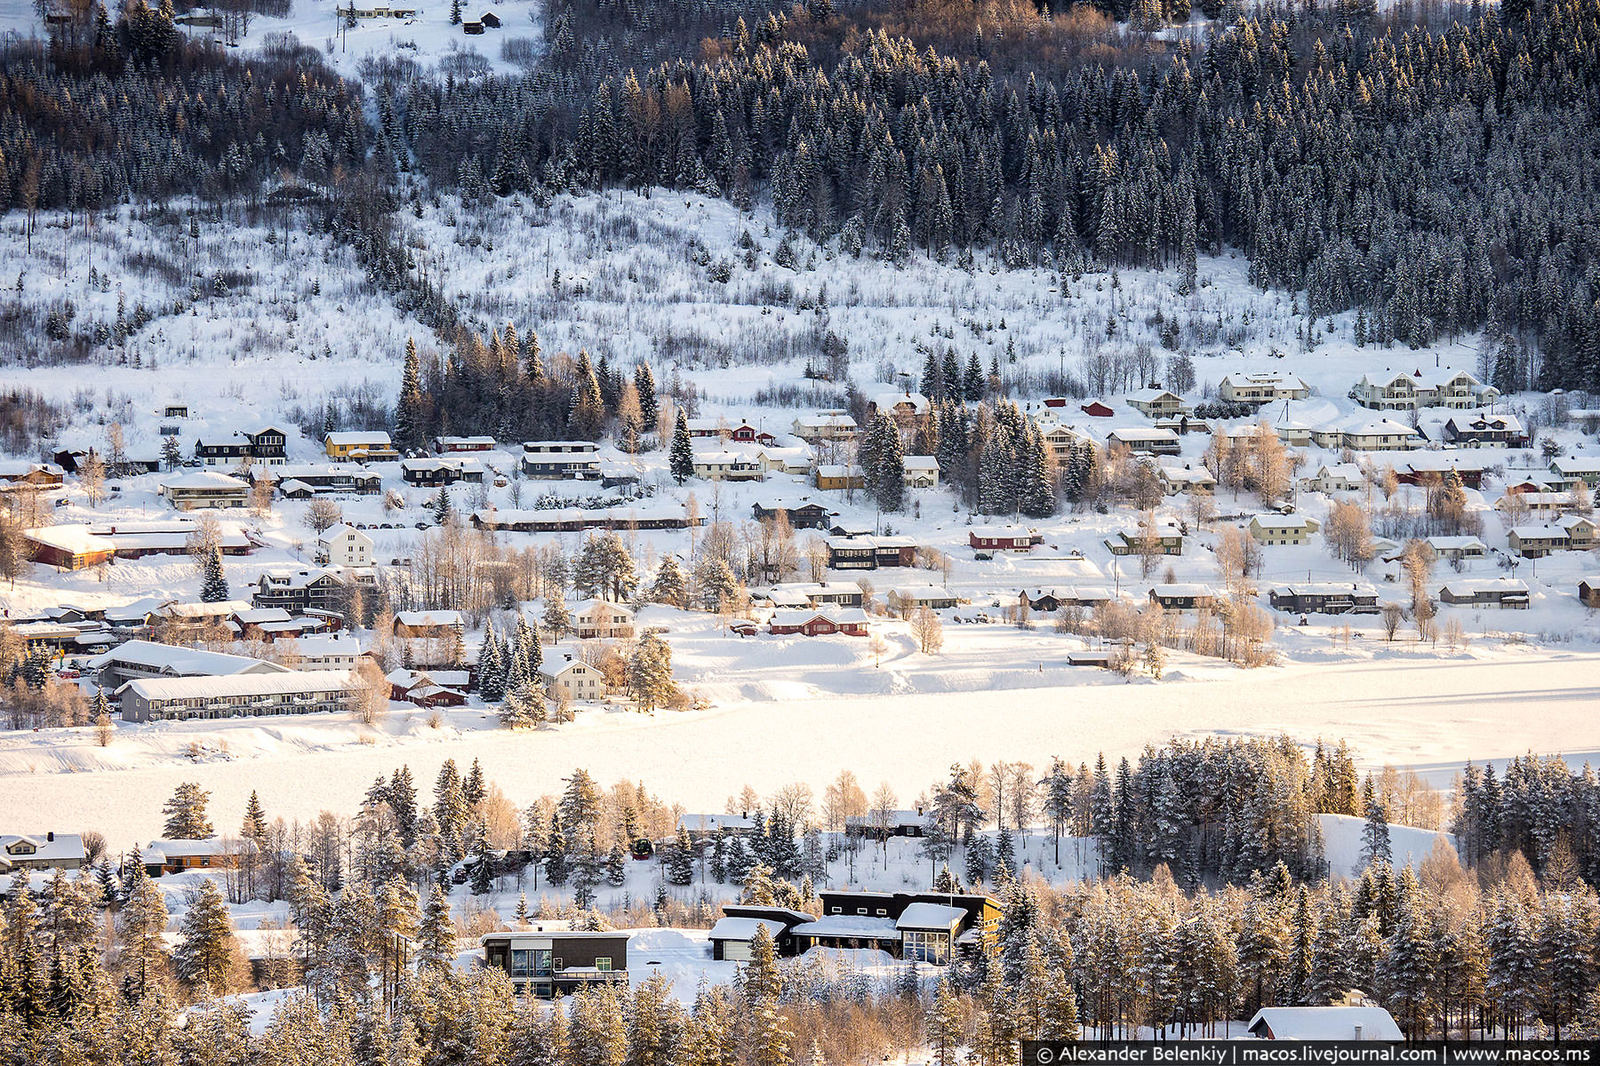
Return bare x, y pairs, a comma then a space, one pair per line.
213, 582
1375, 848
680, 859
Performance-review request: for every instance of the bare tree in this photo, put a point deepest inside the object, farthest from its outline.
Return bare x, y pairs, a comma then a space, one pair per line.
928, 630
323, 514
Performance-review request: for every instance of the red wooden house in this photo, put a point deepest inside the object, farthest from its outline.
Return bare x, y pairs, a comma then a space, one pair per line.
809, 623
1001, 539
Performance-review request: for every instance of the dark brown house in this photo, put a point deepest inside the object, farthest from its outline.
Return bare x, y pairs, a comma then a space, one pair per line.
550, 962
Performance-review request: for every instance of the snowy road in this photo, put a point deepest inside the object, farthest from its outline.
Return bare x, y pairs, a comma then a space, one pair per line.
1430, 713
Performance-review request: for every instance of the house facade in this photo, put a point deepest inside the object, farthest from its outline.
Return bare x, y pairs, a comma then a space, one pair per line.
41, 851
360, 446
550, 962
1325, 597
600, 619
205, 489
248, 694
1282, 529
1402, 391
1262, 388
1001, 539
1499, 592
344, 545
561, 460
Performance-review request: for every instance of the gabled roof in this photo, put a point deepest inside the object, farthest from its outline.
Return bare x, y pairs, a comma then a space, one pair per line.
1325, 1023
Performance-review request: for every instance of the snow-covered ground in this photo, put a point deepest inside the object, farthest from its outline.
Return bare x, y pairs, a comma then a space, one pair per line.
303, 327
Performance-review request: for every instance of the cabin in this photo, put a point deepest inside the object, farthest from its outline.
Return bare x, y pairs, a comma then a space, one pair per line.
561, 460
1499, 592
343, 545
1002, 539
1262, 388
800, 515
727, 465
1051, 600
1164, 538
436, 473
706, 826
1176, 478
825, 427
1145, 440
1457, 548
16, 475
732, 935
838, 477
1184, 597
427, 689
600, 619
359, 446
1281, 529
908, 599
205, 489
548, 961
1480, 429
1157, 402
429, 625
1325, 597
870, 553
1589, 591
907, 410
1426, 470
849, 622
930, 927
41, 851
76, 547
175, 856
1097, 409
453, 445
1567, 472
907, 823
1324, 1023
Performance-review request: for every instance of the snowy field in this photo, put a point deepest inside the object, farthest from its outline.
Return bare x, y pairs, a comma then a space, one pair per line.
1435, 714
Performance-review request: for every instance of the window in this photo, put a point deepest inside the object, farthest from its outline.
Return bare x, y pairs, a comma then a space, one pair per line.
882, 912
603, 964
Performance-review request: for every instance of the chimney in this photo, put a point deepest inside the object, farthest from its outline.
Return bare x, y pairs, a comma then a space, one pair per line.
1358, 1032
51, 836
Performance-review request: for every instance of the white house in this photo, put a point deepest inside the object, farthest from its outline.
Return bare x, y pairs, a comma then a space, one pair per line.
1262, 388
568, 676
921, 472
344, 545
1324, 1023
1387, 390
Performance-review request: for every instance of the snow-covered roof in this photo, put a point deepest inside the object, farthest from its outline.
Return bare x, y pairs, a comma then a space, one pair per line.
321, 645
1180, 589
860, 926
1142, 433
1475, 585
929, 916
1459, 543
160, 851
743, 928
356, 437
80, 538
203, 479
1325, 1023
920, 462
1283, 521
333, 533
269, 684
710, 823
1325, 588
1259, 378
46, 847
261, 615
181, 662
429, 618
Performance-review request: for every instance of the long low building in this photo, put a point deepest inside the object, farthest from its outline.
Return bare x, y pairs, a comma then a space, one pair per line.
137, 660
76, 546
296, 692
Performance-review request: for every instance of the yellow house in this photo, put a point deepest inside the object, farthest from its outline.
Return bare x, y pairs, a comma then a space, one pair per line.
359, 446
838, 476
1282, 528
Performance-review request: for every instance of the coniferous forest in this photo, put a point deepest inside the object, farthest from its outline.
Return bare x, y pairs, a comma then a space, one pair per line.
1434, 171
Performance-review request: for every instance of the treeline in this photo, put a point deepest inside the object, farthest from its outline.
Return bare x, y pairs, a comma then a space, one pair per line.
1403, 174
92, 118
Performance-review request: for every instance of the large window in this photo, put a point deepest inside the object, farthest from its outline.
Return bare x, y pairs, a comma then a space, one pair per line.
927, 947
603, 964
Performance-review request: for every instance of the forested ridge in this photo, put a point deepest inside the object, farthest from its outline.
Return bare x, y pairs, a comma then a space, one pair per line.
1441, 181
132, 110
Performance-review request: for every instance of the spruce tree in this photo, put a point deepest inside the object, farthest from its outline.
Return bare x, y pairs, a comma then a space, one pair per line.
213, 582
206, 952
681, 462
